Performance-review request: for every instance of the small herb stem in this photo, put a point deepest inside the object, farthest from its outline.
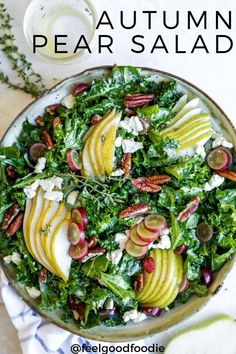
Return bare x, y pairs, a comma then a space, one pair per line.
32, 82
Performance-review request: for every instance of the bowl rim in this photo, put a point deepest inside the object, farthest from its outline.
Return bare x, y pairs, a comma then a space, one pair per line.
109, 67
202, 301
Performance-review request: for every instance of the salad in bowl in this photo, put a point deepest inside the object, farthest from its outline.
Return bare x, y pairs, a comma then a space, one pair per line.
118, 201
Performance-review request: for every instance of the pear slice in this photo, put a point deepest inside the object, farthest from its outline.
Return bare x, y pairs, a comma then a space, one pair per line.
159, 294
213, 336
37, 207
60, 250
194, 129
180, 104
202, 138
87, 169
39, 234
108, 148
176, 123
191, 105
59, 216
188, 125
150, 279
28, 209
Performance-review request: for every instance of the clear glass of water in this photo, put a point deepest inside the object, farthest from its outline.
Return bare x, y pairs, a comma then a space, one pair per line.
49, 18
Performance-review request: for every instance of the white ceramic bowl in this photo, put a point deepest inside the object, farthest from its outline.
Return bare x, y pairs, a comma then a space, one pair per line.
132, 331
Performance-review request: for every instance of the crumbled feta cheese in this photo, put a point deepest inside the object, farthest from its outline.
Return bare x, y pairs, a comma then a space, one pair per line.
40, 166
33, 292
68, 101
54, 195
117, 173
118, 141
214, 182
14, 257
164, 241
71, 199
134, 315
171, 152
132, 125
219, 140
57, 182
200, 150
131, 146
124, 124
115, 256
47, 185
30, 191
121, 239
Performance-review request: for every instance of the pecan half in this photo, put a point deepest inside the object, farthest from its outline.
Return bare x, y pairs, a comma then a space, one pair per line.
159, 179
40, 121
78, 89
43, 275
11, 172
138, 100
231, 175
52, 109
92, 242
56, 121
95, 119
126, 163
138, 282
145, 185
15, 225
134, 210
189, 210
10, 215
96, 250
47, 139
78, 308
150, 184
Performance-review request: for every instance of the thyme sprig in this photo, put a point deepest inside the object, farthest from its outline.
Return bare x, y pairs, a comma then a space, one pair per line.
32, 82
99, 191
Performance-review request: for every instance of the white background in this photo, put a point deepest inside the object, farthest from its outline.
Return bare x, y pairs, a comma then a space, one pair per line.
214, 73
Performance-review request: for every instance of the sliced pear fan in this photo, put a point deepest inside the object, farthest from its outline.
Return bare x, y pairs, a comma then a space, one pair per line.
189, 127
99, 150
45, 228
162, 285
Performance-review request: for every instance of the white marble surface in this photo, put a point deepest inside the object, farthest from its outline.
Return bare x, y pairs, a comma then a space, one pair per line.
213, 73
